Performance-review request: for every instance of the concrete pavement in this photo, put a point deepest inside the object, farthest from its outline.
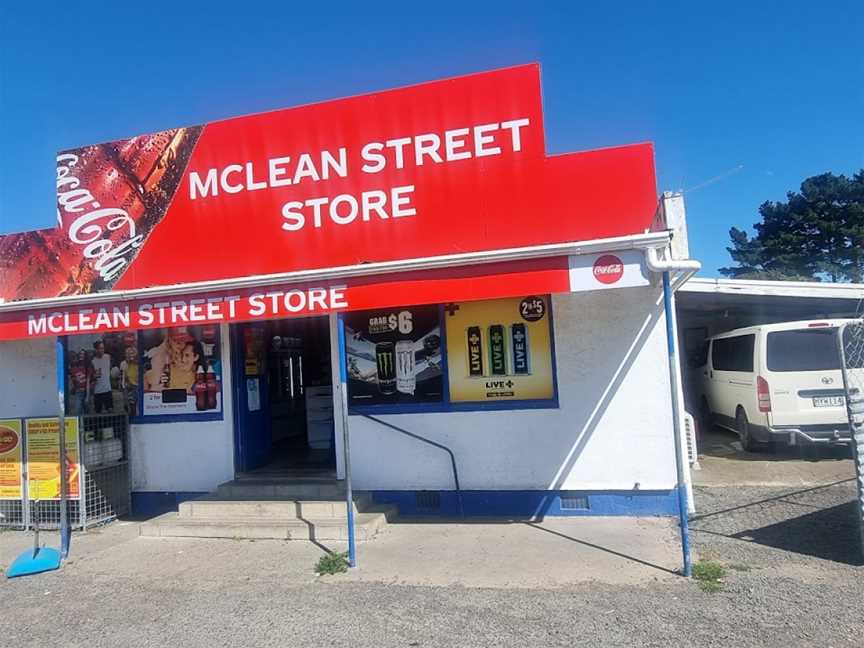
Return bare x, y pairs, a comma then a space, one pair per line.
499, 554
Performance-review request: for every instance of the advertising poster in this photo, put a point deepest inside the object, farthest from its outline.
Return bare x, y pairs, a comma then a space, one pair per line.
10, 459
446, 167
499, 350
394, 356
43, 458
181, 370
102, 374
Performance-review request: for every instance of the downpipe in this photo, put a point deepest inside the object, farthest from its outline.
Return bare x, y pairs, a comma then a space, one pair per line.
684, 269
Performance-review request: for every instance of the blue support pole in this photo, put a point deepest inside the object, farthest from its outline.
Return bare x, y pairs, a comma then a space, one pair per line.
676, 424
65, 530
346, 447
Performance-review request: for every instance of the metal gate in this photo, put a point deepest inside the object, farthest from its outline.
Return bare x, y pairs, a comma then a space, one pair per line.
103, 480
850, 341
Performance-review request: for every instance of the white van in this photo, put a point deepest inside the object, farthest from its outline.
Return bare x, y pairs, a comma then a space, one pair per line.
777, 383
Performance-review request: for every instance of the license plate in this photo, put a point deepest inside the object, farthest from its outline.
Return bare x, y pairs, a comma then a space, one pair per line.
828, 401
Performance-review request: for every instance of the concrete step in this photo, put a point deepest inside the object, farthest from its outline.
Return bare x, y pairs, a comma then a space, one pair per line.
277, 489
215, 506
171, 525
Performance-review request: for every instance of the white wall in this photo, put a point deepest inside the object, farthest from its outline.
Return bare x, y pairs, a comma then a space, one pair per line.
613, 429
28, 378
187, 456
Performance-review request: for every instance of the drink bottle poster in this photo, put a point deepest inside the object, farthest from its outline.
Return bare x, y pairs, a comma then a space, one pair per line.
43, 458
10, 459
181, 371
394, 356
500, 350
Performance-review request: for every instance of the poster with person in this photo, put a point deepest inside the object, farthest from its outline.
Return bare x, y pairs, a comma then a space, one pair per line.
394, 356
98, 372
181, 371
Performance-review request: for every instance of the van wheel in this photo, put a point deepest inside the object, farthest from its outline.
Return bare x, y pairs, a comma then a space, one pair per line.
742, 425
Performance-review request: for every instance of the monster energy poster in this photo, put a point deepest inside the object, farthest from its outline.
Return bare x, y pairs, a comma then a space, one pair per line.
394, 356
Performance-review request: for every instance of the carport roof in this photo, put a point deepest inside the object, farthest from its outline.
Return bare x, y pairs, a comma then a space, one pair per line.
787, 300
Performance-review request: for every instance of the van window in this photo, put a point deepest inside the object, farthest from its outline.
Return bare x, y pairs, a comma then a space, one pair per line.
803, 350
733, 353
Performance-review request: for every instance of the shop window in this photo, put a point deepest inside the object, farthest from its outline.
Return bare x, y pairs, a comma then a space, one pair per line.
181, 373
154, 375
394, 356
500, 350
494, 354
101, 374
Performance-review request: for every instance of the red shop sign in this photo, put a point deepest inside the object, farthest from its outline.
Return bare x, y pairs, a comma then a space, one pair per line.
446, 167
489, 281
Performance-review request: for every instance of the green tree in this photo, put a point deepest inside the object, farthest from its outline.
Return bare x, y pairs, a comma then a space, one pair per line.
818, 233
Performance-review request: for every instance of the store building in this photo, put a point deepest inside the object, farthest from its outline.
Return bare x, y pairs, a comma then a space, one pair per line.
497, 314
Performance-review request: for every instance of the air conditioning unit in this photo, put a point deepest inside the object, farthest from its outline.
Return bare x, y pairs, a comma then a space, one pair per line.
690, 441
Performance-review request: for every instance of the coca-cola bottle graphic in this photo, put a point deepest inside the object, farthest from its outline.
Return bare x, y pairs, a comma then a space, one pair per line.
208, 340
200, 390
212, 387
109, 198
165, 376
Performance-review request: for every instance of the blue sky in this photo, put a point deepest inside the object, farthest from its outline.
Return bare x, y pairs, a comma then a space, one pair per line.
743, 100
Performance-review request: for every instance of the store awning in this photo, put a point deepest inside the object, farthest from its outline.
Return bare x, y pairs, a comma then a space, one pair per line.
600, 264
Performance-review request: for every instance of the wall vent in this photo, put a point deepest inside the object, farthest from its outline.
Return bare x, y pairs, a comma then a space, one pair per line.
428, 500
572, 502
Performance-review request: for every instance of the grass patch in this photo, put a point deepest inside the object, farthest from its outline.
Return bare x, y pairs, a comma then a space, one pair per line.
332, 563
708, 575
711, 586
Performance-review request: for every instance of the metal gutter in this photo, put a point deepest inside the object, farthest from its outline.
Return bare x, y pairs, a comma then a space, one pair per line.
776, 288
648, 240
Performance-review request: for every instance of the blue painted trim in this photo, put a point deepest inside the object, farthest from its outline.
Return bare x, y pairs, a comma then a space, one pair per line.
679, 455
150, 504
340, 332
65, 528
552, 351
238, 376
349, 497
536, 503
177, 418
430, 408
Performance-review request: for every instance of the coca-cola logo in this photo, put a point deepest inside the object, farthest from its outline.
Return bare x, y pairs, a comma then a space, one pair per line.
8, 439
608, 269
93, 223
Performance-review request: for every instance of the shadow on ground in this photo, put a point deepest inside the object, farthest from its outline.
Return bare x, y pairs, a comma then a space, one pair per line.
830, 534
820, 522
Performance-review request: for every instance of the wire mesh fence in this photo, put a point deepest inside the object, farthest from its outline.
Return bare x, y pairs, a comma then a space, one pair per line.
97, 472
851, 345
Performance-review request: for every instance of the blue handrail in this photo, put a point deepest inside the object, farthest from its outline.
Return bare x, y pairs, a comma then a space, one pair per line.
432, 443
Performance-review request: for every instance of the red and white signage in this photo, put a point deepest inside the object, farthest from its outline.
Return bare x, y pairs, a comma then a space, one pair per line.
624, 269
608, 269
489, 281
446, 167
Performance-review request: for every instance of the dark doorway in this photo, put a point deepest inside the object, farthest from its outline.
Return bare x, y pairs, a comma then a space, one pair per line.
284, 419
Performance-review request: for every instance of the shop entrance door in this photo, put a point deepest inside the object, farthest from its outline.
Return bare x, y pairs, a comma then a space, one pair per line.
284, 415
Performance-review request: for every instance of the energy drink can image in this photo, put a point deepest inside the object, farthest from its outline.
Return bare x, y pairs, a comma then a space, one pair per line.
475, 351
406, 378
497, 353
519, 346
385, 358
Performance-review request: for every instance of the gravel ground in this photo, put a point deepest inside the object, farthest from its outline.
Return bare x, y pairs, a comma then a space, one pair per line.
794, 580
